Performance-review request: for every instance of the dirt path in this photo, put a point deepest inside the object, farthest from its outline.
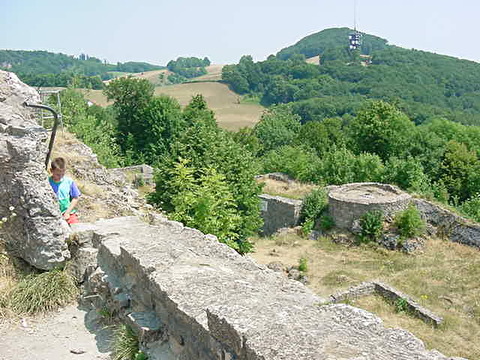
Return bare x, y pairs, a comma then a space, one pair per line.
62, 335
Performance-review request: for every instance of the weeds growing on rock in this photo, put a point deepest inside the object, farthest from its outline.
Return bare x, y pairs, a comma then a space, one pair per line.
125, 345
43, 292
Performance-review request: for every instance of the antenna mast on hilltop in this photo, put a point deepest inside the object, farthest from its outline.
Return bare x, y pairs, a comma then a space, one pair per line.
355, 37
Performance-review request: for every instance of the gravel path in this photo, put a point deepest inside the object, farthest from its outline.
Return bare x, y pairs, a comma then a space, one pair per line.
70, 333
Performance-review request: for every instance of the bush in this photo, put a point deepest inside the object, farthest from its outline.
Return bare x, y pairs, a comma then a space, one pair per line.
313, 205
307, 226
42, 292
409, 222
372, 226
302, 264
471, 208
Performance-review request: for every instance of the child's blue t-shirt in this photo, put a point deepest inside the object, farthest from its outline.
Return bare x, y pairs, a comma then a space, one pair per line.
66, 190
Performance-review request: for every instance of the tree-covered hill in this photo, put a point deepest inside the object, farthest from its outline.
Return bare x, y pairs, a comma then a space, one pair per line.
424, 85
318, 43
43, 68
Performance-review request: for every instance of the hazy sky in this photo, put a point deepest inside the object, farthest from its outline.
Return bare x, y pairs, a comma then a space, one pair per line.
158, 31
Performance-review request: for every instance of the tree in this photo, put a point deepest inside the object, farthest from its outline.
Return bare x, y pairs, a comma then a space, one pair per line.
131, 97
381, 129
277, 127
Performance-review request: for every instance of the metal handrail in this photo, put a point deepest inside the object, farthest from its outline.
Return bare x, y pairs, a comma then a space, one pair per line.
54, 129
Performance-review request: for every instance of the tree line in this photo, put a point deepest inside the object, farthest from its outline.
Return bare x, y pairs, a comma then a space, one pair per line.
43, 68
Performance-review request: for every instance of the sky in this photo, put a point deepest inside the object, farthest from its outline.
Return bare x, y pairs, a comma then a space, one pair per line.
159, 31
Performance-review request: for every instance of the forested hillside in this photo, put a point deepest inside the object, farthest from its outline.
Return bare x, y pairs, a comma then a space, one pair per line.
43, 68
422, 84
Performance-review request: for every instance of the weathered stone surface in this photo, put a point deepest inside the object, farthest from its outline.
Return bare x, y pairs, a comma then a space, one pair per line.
349, 202
37, 233
449, 225
207, 302
279, 212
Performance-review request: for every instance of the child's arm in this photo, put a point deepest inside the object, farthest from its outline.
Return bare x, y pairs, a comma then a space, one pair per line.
73, 203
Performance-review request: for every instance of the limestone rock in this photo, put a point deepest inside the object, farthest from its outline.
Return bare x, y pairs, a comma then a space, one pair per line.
202, 300
37, 233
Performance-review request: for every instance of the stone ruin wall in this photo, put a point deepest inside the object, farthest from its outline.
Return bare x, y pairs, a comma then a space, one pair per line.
278, 212
188, 296
37, 233
345, 209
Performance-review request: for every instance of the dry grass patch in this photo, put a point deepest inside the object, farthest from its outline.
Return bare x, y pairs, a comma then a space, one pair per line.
229, 112
443, 278
292, 190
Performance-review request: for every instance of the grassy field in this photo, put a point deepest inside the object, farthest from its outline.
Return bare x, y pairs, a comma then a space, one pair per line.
444, 278
230, 113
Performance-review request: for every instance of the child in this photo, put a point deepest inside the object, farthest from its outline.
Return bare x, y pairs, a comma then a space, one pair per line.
66, 190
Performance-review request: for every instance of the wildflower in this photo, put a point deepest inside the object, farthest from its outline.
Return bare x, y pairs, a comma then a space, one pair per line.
11, 208
4, 219
13, 215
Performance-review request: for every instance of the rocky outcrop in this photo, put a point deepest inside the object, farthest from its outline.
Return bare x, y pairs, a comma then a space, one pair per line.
190, 297
448, 225
37, 233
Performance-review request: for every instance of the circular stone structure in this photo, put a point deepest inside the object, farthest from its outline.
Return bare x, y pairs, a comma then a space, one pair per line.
349, 202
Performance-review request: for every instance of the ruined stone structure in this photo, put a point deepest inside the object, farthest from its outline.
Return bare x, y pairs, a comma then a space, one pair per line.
349, 202
190, 297
390, 294
278, 212
37, 233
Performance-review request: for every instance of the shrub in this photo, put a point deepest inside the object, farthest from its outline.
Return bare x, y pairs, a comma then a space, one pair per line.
307, 226
314, 204
471, 208
42, 292
372, 226
409, 222
302, 264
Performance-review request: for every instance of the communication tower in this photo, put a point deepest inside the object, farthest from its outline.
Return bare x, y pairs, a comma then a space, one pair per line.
355, 37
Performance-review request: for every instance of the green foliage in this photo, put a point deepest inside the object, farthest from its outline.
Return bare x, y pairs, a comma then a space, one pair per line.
407, 173
381, 129
42, 292
471, 208
371, 224
314, 204
318, 43
401, 305
131, 98
215, 189
125, 344
93, 125
42, 68
277, 127
188, 67
294, 161
409, 222
308, 226
303, 264
327, 222
460, 171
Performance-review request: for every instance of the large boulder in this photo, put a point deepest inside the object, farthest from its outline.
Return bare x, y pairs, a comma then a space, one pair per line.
34, 230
